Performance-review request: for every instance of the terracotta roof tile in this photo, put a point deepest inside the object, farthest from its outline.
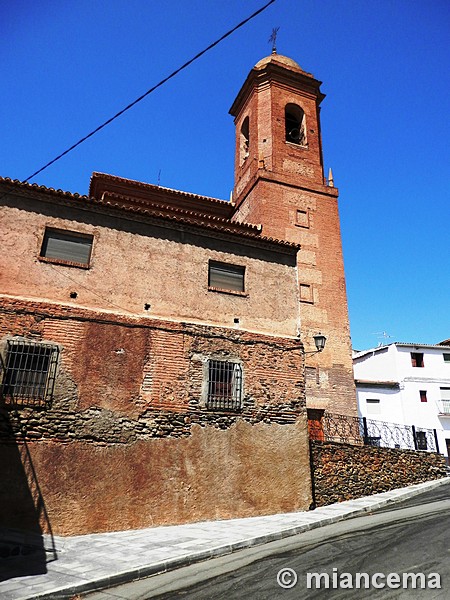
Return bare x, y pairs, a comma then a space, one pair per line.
158, 209
101, 183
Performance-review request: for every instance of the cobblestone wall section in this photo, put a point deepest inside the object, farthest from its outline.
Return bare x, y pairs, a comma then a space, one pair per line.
345, 472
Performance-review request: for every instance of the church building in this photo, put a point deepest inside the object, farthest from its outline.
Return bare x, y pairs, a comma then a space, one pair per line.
158, 348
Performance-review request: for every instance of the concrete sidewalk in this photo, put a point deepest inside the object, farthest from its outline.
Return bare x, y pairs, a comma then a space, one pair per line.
98, 561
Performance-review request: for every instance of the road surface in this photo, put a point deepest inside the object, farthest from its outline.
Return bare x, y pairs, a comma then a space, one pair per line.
412, 536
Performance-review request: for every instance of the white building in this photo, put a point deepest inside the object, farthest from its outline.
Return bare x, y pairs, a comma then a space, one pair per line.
407, 384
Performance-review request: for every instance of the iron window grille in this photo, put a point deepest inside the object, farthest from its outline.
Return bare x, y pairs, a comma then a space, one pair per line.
421, 438
67, 247
30, 371
225, 276
224, 385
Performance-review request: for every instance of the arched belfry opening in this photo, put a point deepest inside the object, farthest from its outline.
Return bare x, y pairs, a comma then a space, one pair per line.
295, 125
244, 140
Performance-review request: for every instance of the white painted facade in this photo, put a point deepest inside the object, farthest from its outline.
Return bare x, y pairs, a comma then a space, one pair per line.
389, 388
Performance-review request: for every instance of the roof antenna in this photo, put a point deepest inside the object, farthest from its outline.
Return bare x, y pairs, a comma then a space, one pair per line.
273, 39
384, 335
159, 177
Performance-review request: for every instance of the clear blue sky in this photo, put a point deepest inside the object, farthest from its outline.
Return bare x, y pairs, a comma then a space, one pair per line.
68, 66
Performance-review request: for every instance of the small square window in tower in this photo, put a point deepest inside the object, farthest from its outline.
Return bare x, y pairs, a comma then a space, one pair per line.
30, 370
67, 247
223, 276
224, 385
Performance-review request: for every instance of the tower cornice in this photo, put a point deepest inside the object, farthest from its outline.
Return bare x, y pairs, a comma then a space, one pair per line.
304, 185
275, 73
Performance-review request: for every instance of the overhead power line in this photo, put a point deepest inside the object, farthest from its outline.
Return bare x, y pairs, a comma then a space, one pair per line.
152, 89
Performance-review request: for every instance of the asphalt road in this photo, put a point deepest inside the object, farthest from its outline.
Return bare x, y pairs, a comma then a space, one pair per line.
434, 495
410, 537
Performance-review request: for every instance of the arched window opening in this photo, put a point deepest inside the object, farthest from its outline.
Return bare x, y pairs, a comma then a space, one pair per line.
295, 125
245, 139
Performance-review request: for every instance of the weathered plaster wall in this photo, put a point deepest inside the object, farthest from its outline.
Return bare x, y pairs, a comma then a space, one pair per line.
128, 441
344, 472
142, 262
242, 471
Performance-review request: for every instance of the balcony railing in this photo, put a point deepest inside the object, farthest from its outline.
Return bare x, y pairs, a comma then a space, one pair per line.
445, 407
362, 431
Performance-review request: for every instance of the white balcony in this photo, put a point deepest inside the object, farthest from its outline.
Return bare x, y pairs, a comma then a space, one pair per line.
444, 407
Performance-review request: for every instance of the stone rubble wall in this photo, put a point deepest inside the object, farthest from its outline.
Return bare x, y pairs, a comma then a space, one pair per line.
345, 472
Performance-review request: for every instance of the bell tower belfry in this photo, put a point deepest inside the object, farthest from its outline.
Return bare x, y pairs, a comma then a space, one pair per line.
280, 184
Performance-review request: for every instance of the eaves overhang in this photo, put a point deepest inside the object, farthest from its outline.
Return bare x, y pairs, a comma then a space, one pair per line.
102, 183
156, 213
377, 384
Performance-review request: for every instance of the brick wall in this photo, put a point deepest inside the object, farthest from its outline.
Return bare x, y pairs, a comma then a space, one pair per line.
344, 472
128, 441
278, 180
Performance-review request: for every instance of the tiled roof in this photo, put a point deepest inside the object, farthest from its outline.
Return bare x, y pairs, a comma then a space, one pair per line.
156, 208
147, 192
129, 203
419, 345
17, 184
361, 353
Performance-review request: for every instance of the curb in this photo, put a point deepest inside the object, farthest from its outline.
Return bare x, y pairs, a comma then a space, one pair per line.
374, 502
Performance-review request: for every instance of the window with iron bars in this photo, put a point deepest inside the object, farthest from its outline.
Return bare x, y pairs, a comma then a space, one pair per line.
224, 385
29, 372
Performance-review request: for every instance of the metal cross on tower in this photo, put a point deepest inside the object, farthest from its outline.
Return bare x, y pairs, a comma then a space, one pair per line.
273, 39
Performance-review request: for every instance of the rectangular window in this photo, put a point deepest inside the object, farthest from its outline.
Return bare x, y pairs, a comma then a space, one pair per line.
423, 396
224, 385
67, 247
446, 358
417, 359
373, 406
30, 370
224, 276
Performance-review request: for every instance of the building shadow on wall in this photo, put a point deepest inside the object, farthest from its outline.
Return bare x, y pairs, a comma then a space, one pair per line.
24, 550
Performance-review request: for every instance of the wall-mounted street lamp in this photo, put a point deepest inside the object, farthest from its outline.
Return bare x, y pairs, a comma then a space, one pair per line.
319, 341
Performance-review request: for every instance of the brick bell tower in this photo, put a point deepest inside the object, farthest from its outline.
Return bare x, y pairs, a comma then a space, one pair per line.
280, 183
